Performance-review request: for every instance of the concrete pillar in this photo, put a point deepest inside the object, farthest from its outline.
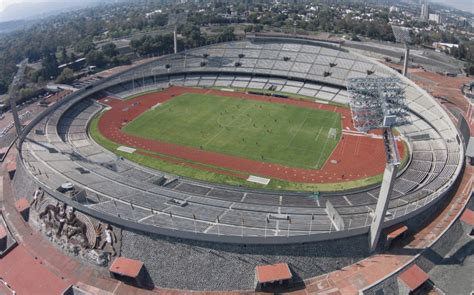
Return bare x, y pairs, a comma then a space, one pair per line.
175, 35
405, 62
16, 118
388, 181
13, 93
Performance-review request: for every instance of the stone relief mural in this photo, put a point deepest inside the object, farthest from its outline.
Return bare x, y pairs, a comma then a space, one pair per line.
74, 232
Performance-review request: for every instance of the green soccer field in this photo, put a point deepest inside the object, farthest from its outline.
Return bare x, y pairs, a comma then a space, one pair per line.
268, 132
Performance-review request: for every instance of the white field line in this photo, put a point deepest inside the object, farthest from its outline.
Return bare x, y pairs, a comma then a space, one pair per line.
299, 129
322, 150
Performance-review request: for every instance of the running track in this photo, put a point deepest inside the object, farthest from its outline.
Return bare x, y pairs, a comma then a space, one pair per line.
357, 156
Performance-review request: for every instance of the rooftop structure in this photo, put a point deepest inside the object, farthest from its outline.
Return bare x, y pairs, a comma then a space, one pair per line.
272, 273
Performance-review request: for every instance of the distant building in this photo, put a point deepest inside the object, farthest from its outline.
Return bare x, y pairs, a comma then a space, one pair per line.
425, 11
435, 17
394, 9
151, 14
442, 47
75, 65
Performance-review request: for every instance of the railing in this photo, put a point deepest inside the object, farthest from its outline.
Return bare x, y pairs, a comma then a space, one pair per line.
2, 281
276, 236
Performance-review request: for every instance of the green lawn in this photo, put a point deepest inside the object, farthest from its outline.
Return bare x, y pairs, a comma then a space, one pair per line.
262, 131
204, 175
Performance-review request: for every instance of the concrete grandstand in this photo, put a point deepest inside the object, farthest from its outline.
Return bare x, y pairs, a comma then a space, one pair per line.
258, 225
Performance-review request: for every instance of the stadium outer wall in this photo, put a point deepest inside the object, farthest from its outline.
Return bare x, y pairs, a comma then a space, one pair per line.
222, 261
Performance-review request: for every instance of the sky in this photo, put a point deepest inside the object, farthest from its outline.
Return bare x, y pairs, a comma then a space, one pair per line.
467, 5
5, 3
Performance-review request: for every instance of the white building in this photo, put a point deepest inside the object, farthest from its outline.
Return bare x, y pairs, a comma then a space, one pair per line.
442, 47
394, 9
435, 17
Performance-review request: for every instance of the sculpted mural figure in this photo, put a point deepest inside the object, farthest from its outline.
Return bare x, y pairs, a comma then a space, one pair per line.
50, 211
76, 227
66, 222
75, 232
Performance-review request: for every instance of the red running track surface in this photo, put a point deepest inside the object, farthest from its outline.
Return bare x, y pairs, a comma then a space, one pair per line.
358, 156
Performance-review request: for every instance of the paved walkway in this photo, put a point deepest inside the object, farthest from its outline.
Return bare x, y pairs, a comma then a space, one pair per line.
459, 264
360, 275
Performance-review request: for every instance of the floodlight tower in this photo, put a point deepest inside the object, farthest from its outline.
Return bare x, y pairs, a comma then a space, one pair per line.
174, 21
13, 93
403, 35
379, 103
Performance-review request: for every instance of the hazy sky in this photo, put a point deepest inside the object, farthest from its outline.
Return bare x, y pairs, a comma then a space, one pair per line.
5, 3
467, 5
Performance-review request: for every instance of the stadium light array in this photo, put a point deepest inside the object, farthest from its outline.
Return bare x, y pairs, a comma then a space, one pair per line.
404, 36
379, 103
174, 21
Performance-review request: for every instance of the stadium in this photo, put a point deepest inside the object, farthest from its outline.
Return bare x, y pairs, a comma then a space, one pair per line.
237, 154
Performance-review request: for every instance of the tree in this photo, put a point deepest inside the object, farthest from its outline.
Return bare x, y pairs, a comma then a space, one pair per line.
192, 35
34, 76
84, 45
120, 60
248, 28
110, 49
148, 45
72, 56
96, 58
66, 76
64, 57
50, 66
227, 34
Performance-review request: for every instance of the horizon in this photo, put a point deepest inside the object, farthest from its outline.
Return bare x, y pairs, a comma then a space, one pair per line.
6, 3
464, 5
